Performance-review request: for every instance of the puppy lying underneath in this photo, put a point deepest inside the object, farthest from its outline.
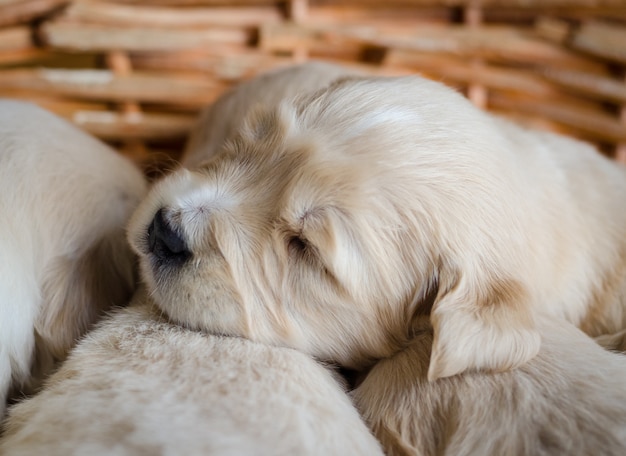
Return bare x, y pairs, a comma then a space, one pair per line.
66, 199
326, 220
568, 400
139, 385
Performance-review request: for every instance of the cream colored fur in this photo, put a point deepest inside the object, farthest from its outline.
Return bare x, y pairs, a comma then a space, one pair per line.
65, 201
222, 120
140, 385
327, 219
615, 341
568, 400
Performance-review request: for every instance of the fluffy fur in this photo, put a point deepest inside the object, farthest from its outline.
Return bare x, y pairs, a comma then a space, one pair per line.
139, 385
221, 121
66, 199
570, 399
327, 219
615, 341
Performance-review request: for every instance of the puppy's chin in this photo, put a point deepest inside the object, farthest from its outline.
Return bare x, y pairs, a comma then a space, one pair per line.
205, 304
221, 320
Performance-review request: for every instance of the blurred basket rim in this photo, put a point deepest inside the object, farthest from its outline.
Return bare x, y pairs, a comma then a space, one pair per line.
135, 73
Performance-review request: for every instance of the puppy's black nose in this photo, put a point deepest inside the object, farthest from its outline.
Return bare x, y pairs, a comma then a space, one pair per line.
164, 242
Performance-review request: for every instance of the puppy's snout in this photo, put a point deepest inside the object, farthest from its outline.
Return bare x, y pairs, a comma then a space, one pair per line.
165, 242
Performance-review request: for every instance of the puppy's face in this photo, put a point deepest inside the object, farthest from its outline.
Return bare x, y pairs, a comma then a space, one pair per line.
314, 229
278, 241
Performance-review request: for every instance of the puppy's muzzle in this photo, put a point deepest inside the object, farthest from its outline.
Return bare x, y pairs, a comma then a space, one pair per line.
164, 242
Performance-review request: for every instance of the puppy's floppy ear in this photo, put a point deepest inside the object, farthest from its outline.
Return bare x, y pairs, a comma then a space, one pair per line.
78, 290
481, 326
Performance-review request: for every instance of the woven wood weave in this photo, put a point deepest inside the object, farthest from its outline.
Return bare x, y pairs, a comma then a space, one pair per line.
135, 73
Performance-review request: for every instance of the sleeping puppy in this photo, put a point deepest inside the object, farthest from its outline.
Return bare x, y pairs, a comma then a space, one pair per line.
139, 385
66, 199
327, 220
222, 120
570, 399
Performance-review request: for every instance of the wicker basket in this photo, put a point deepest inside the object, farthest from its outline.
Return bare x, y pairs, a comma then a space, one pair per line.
135, 73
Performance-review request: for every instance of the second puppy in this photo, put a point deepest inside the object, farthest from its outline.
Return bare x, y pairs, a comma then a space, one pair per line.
140, 385
66, 198
568, 400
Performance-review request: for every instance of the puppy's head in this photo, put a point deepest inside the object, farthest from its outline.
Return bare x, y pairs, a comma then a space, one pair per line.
328, 220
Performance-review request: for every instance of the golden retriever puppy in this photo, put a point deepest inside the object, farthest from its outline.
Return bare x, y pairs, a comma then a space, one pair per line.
327, 220
66, 199
222, 120
568, 400
139, 385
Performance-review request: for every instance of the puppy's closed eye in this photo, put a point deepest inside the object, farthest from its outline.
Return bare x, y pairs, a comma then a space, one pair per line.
302, 250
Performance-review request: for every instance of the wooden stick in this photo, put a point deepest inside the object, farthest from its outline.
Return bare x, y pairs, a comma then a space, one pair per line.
104, 85
120, 64
57, 104
234, 65
15, 38
97, 37
527, 15
477, 93
457, 70
22, 56
153, 16
298, 12
428, 10
503, 3
620, 149
494, 43
187, 3
334, 14
599, 87
554, 30
596, 38
453, 3
22, 11
601, 39
145, 126
596, 124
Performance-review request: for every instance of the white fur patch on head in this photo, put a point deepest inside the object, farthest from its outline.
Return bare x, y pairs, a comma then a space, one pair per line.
393, 116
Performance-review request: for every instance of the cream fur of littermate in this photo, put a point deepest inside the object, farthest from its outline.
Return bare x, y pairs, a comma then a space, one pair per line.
568, 400
140, 385
324, 222
66, 199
